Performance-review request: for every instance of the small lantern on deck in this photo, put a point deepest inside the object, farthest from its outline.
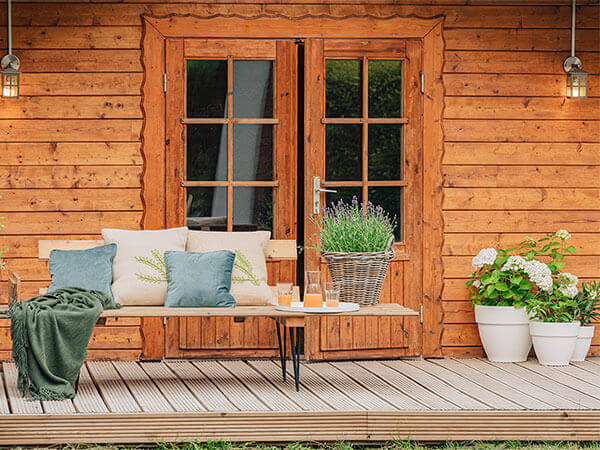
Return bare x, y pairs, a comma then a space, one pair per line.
11, 76
577, 78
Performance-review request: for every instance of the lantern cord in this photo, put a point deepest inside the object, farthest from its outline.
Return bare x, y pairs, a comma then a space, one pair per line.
9, 29
572, 28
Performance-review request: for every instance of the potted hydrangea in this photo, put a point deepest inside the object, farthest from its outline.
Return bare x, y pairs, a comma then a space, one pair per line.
554, 326
499, 290
504, 283
588, 309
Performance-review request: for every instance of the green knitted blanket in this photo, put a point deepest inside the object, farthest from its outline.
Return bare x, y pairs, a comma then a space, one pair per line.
50, 335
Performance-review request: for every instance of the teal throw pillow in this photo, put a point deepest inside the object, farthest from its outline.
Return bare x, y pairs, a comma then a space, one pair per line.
87, 269
199, 279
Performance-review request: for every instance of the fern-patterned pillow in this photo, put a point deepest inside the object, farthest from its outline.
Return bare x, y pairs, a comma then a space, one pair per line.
249, 278
139, 272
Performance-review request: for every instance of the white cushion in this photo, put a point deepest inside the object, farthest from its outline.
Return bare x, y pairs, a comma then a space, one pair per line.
249, 280
139, 272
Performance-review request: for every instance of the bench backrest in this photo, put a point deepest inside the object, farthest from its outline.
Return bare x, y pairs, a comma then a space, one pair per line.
277, 250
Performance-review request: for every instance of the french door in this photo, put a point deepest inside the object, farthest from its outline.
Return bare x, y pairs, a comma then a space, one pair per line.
232, 120
363, 140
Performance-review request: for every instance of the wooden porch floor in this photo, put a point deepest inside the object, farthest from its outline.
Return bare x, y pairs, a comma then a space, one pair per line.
363, 400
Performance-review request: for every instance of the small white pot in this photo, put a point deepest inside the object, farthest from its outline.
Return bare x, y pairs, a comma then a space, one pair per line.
554, 343
504, 332
584, 340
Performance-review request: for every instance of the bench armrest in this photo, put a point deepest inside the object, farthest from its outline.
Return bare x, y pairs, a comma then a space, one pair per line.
14, 288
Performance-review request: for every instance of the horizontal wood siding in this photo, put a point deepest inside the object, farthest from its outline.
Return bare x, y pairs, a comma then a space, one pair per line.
519, 157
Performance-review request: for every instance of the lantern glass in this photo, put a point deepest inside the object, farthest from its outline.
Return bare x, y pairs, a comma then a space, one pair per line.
10, 83
577, 84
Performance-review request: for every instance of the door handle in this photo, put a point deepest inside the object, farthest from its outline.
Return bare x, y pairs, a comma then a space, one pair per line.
317, 194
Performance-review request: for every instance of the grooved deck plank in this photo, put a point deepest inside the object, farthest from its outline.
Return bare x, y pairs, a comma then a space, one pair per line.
305, 399
201, 386
588, 367
407, 385
379, 387
310, 380
576, 390
18, 405
174, 390
260, 386
145, 392
545, 390
501, 373
112, 388
582, 374
230, 386
358, 393
436, 385
88, 399
4, 409
58, 407
493, 385
466, 385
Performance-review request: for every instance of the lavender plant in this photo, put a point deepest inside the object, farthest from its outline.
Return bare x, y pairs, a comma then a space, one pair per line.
354, 227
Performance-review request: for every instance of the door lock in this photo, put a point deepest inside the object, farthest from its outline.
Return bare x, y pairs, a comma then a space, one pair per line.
317, 194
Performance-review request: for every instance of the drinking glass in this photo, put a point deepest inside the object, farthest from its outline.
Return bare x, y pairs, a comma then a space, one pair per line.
313, 296
332, 295
284, 294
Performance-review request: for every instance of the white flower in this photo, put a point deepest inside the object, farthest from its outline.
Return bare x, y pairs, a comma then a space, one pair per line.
513, 262
567, 279
594, 294
476, 283
539, 274
485, 256
568, 291
562, 234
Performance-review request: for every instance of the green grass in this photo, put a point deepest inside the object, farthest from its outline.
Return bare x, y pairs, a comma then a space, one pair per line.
402, 445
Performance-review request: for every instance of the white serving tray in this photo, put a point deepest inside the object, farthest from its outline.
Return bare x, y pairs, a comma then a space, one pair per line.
299, 307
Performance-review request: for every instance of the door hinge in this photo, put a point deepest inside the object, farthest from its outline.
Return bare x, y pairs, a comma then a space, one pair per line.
165, 82
164, 321
422, 83
421, 314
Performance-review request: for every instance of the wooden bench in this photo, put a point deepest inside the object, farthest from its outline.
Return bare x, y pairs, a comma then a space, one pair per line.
292, 322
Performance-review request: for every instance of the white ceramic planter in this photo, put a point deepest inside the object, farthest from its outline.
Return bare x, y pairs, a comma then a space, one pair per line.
554, 343
504, 332
584, 340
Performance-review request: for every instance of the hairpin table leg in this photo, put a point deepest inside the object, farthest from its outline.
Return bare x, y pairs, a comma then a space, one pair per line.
295, 344
282, 349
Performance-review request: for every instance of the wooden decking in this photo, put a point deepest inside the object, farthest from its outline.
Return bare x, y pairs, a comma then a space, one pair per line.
363, 400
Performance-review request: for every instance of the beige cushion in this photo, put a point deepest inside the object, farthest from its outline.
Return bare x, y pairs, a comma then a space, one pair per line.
139, 272
249, 281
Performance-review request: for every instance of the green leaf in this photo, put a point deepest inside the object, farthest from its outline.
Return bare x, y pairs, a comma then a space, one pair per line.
501, 286
516, 280
570, 249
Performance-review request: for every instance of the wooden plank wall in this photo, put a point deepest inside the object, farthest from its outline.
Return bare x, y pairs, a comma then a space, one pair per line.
519, 157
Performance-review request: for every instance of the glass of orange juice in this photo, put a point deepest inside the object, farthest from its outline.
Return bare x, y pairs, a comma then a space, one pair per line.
332, 295
313, 297
284, 294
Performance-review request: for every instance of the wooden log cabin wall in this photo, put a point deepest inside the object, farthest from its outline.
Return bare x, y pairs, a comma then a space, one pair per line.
519, 158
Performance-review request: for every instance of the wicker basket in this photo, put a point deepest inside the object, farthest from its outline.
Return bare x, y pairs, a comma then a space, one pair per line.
359, 276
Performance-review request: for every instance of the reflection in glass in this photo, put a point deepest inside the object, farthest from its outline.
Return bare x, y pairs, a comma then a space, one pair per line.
252, 208
385, 88
343, 193
390, 199
206, 153
206, 208
385, 152
343, 152
343, 88
253, 89
206, 88
252, 152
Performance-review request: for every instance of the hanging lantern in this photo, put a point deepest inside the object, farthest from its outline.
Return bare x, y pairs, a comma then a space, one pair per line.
11, 77
577, 78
